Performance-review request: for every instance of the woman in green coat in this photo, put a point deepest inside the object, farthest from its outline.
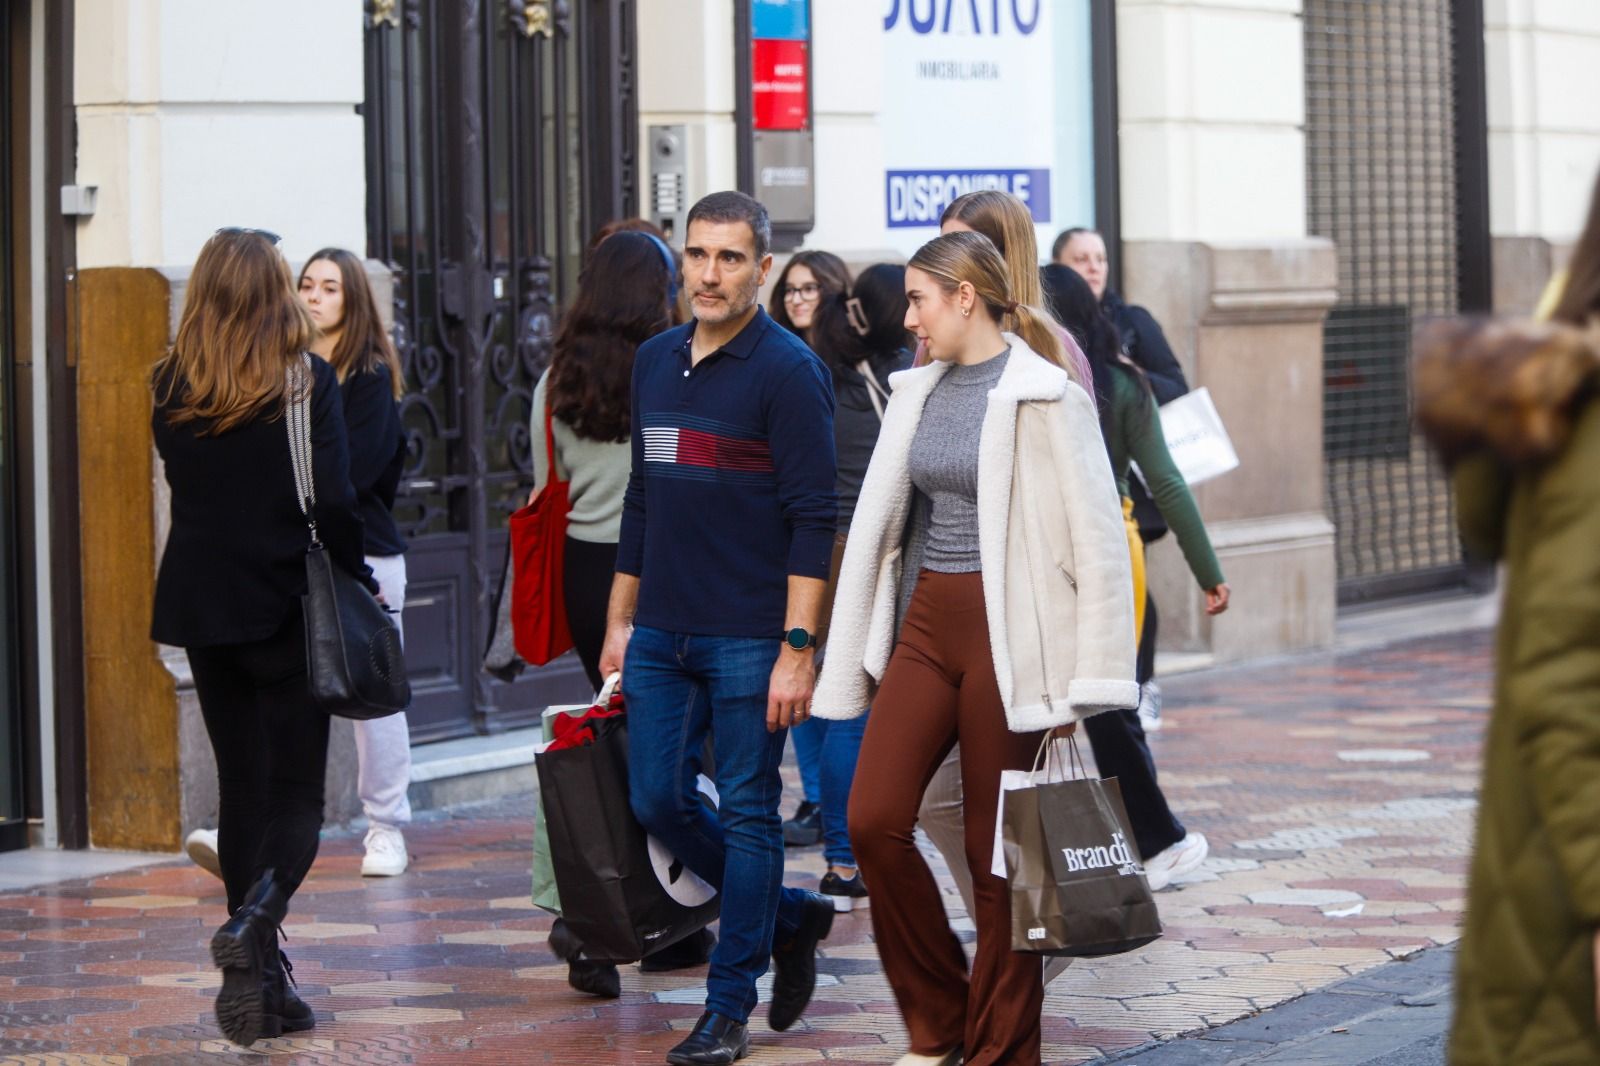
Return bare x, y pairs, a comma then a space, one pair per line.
1131, 425
1515, 410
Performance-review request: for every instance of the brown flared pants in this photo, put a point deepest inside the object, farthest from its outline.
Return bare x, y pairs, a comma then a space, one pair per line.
939, 690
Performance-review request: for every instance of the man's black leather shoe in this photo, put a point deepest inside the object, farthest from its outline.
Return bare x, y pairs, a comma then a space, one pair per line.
715, 1039
794, 963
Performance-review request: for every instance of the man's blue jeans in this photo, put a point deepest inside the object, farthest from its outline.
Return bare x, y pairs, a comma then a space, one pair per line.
681, 688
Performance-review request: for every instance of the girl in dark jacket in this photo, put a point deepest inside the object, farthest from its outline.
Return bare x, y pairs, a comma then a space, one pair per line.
862, 337
229, 587
351, 338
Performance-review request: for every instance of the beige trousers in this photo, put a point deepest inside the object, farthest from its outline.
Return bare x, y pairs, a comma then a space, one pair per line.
940, 818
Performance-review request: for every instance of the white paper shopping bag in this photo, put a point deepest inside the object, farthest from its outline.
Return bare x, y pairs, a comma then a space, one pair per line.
1048, 768
1197, 438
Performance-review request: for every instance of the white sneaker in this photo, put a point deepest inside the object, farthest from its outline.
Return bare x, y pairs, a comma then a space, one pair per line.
201, 847
1183, 857
1150, 707
386, 853
911, 1058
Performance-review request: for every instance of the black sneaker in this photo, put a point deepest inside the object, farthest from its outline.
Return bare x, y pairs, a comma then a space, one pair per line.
846, 895
794, 963
805, 828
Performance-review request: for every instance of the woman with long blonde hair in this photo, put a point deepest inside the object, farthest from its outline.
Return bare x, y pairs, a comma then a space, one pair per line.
1008, 224
989, 538
229, 587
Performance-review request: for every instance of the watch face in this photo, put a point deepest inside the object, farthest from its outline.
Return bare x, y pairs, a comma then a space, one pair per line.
798, 639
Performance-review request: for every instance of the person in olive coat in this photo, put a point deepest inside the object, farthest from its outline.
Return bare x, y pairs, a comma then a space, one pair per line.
1515, 410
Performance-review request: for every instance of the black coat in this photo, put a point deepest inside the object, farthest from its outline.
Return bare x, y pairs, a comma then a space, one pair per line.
234, 564
1147, 346
377, 453
856, 424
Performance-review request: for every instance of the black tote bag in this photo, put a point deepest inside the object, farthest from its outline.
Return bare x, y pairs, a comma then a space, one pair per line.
354, 661
621, 893
1077, 885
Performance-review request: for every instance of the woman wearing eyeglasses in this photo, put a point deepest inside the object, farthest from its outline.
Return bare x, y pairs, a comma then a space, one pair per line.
806, 283
229, 586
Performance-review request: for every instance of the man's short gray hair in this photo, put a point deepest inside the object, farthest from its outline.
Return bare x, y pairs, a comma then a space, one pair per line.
731, 206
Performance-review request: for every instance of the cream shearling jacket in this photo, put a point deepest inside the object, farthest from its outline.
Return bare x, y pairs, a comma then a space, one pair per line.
1057, 583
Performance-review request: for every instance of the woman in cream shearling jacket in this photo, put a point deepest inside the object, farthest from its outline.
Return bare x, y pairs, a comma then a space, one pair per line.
1056, 577
986, 590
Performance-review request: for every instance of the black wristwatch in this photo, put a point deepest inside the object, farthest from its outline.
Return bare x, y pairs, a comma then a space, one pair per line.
800, 638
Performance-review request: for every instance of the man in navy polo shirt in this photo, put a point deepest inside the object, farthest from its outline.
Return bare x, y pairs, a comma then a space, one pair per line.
727, 533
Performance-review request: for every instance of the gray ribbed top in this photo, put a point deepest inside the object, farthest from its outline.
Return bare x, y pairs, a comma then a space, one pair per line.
944, 463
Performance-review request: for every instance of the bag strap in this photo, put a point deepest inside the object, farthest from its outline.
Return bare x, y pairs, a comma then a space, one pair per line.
875, 391
297, 421
550, 441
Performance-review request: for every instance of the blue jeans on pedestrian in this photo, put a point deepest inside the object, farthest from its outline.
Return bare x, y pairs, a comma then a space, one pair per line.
840, 746
681, 688
809, 738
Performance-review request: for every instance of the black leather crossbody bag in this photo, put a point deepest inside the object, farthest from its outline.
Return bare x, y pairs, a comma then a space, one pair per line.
353, 658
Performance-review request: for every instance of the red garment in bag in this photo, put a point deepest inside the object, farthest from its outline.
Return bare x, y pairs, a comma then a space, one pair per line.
538, 548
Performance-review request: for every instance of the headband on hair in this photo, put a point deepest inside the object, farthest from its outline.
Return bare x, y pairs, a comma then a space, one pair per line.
672, 264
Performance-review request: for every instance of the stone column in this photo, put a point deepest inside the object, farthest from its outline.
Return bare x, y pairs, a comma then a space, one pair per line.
191, 116
1248, 320
1214, 244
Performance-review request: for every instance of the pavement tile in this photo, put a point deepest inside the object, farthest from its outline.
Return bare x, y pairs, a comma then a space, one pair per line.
448, 964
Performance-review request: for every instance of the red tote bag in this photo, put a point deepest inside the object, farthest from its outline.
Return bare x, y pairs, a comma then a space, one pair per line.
538, 549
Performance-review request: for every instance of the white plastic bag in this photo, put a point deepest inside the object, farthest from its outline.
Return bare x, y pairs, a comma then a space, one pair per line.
1197, 438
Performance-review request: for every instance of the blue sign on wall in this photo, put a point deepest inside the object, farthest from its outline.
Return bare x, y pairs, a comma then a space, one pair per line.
919, 197
780, 20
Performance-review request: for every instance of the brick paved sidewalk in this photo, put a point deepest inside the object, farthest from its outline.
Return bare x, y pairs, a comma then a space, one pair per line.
1337, 793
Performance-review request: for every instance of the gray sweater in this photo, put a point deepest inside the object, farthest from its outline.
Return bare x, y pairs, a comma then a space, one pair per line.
598, 472
944, 464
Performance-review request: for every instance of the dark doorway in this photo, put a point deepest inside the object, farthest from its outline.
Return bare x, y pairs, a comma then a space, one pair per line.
498, 137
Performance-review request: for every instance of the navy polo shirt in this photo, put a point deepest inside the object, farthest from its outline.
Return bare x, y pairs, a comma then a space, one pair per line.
732, 488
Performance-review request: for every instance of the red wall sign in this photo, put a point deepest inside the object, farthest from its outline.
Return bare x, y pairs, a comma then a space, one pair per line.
779, 72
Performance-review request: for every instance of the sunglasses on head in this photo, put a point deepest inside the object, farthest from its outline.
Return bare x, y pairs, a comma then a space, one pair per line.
272, 238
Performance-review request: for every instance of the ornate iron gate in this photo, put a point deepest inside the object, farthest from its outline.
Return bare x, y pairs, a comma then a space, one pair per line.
498, 135
1391, 173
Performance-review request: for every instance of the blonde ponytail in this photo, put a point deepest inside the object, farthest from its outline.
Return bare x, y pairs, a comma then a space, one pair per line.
971, 257
1037, 328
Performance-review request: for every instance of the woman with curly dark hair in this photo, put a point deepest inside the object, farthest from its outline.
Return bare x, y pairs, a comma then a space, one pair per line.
625, 296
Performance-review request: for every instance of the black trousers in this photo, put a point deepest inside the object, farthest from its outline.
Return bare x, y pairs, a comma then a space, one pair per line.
1146, 666
586, 574
271, 747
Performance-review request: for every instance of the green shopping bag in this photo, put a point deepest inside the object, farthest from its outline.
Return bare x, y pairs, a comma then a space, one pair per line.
544, 872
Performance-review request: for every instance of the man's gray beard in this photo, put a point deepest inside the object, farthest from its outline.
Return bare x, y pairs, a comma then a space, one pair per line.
747, 298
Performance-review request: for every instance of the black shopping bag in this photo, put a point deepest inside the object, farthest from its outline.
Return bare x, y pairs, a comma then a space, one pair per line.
1077, 886
622, 894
